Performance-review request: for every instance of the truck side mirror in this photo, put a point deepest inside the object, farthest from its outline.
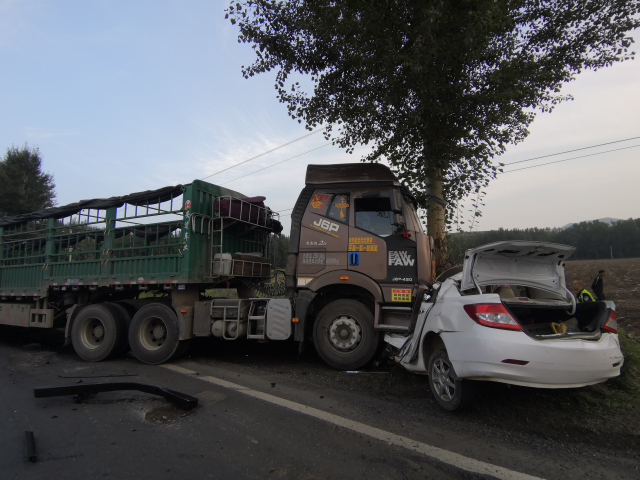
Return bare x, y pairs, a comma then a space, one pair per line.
396, 200
398, 220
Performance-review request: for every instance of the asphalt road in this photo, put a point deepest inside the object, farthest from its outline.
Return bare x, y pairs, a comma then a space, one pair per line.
238, 432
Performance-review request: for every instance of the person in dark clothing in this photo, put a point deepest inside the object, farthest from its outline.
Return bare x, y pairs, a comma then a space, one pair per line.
582, 294
598, 285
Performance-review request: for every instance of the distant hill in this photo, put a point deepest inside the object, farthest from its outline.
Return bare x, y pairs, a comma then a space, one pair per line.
608, 220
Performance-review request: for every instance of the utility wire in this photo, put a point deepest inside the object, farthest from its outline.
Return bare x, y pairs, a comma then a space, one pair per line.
278, 163
262, 154
574, 158
569, 151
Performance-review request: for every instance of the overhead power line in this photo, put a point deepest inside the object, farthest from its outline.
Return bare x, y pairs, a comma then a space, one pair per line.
570, 151
573, 158
278, 163
264, 153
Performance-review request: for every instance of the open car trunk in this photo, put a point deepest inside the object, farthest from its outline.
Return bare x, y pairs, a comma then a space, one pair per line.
539, 320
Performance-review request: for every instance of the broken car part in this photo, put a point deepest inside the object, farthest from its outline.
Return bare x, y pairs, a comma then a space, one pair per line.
182, 400
31, 447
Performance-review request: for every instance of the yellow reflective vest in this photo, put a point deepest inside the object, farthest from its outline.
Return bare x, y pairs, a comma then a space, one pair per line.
584, 296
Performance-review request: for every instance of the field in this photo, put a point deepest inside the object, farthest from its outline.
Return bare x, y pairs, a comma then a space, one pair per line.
621, 284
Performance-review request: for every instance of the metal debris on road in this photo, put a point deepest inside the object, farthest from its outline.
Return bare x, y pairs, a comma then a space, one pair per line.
182, 400
31, 447
360, 371
103, 376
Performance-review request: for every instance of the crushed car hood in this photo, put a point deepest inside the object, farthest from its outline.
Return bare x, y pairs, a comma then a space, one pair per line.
514, 262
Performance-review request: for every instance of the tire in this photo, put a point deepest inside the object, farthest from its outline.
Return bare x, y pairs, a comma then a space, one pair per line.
98, 332
154, 334
450, 392
118, 309
358, 345
182, 348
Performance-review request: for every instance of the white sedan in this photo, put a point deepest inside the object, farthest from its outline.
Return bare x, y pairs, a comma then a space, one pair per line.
508, 317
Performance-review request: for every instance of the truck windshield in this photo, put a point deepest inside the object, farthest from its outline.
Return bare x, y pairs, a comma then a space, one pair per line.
374, 215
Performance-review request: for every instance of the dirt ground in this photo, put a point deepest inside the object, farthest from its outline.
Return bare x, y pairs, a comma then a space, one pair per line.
621, 284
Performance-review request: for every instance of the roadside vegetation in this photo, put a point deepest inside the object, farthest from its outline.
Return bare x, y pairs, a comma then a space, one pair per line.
622, 393
593, 240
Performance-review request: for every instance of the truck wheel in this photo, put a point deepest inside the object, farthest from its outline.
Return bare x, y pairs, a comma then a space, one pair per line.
118, 309
344, 335
450, 392
182, 348
98, 332
154, 335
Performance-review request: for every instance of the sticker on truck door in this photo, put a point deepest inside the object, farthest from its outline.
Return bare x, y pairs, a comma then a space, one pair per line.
325, 226
400, 295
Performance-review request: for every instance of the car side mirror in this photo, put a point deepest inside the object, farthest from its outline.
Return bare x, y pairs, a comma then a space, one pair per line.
396, 200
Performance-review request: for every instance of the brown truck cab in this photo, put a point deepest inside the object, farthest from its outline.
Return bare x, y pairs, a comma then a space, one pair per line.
358, 257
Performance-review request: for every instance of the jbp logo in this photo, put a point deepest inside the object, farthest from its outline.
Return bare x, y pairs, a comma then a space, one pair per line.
326, 226
400, 259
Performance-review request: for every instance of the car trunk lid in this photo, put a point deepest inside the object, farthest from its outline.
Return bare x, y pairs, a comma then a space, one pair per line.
531, 264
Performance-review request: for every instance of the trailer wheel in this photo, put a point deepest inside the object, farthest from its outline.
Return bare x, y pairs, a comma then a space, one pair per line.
98, 332
118, 309
344, 336
450, 392
154, 334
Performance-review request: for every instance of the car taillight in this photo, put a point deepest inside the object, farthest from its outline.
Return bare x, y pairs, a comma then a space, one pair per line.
612, 323
492, 315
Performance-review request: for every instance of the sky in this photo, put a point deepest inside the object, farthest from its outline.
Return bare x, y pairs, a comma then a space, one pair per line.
128, 96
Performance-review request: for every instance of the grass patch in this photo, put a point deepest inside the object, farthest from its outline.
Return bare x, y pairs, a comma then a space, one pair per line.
622, 392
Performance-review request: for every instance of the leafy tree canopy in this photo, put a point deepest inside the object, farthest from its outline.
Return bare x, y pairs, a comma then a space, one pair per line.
24, 187
436, 87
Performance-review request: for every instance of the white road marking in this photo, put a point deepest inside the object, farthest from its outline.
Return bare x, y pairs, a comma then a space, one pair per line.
444, 456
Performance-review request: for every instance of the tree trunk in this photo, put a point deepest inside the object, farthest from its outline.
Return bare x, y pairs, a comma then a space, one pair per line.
435, 222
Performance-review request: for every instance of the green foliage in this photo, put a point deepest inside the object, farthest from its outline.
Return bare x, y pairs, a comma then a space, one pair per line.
24, 187
431, 85
593, 240
281, 250
618, 393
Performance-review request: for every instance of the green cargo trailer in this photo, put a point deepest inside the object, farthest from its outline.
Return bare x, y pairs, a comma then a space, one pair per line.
170, 244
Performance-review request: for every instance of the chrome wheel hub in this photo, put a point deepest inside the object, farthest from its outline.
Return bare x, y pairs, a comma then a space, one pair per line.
345, 333
444, 384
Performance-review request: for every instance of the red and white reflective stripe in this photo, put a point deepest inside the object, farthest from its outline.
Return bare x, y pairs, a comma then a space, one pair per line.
612, 323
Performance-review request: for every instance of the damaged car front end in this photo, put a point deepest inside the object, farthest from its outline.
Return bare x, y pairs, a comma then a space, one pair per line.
508, 317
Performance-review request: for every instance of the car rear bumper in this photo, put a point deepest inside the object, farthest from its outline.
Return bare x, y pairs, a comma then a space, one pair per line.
479, 353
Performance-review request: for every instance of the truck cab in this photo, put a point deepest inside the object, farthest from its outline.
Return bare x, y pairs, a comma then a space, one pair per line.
358, 257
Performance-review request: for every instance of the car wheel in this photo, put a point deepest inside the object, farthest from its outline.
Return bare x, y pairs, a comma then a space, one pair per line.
98, 332
344, 336
154, 335
450, 392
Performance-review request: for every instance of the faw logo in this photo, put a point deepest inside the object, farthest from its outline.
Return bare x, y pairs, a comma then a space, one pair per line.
400, 259
325, 226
